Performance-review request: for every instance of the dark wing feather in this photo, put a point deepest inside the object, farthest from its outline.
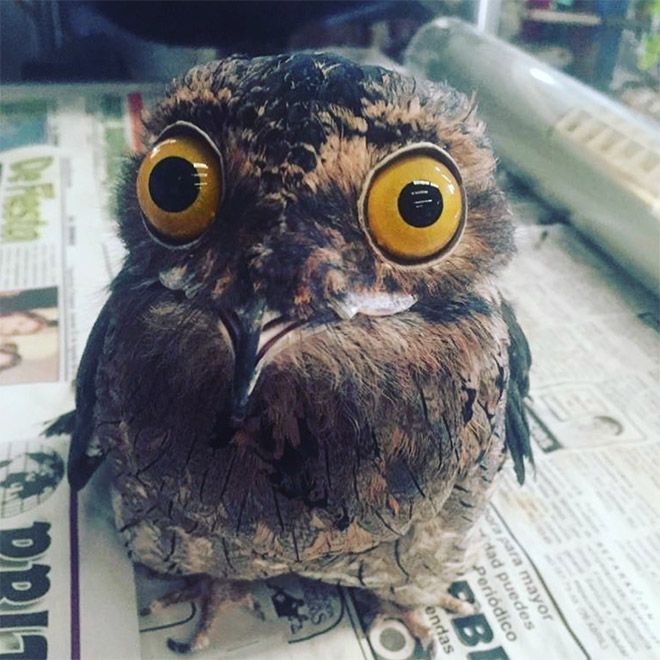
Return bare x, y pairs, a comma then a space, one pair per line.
517, 426
80, 422
63, 425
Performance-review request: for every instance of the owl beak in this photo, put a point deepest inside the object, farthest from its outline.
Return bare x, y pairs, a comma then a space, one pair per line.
257, 335
246, 346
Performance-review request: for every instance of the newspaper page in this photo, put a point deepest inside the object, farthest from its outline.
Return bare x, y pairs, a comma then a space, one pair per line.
59, 158
568, 565
66, 585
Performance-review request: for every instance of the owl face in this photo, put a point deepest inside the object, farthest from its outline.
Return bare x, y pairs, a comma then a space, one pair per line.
303, 196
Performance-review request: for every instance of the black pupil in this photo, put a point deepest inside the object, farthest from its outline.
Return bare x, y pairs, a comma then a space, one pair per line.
420, 203
174, 184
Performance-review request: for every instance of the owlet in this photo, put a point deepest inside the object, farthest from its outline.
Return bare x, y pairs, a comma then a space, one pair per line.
305, 365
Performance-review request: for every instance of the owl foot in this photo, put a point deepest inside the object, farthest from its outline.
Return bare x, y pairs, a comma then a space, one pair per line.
190, 591
216, 596
456, 605
417, 624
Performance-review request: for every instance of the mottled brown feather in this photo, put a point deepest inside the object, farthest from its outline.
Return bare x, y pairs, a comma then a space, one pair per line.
371, 444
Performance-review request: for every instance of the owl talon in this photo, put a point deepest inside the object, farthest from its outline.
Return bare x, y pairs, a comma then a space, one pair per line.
193, 589
456, 605
199, 642
215, 596
253, 605
178, 647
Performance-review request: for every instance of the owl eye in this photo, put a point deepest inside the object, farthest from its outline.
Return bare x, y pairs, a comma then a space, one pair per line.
413, 205
180, 185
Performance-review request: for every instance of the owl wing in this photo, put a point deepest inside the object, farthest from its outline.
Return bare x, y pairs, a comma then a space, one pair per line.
517, 426
79, 423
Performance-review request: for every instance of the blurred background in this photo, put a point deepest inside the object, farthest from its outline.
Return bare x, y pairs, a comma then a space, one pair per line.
613, 45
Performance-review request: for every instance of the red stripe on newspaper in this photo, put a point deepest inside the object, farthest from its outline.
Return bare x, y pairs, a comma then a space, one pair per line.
135, 105
75, 575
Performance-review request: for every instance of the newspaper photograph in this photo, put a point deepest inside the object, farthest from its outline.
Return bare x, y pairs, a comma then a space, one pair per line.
29, 351
568, 566
59, 158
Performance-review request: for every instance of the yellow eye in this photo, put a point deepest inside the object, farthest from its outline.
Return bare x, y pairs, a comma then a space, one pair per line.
179, 185
414, 206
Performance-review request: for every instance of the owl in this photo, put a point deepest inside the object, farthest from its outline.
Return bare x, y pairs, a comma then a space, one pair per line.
305, 365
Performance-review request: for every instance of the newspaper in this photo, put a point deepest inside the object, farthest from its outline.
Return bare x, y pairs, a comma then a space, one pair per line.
59, 158
62, 567
568, 565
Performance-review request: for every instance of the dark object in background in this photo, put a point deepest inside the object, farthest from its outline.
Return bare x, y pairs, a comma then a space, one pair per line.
591, 29
88, 58
87, 40
255, 28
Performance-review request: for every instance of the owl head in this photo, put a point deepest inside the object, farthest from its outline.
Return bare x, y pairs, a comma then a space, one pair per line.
303, 194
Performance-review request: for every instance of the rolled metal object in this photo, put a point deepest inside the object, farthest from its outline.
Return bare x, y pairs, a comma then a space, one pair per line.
580, 150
